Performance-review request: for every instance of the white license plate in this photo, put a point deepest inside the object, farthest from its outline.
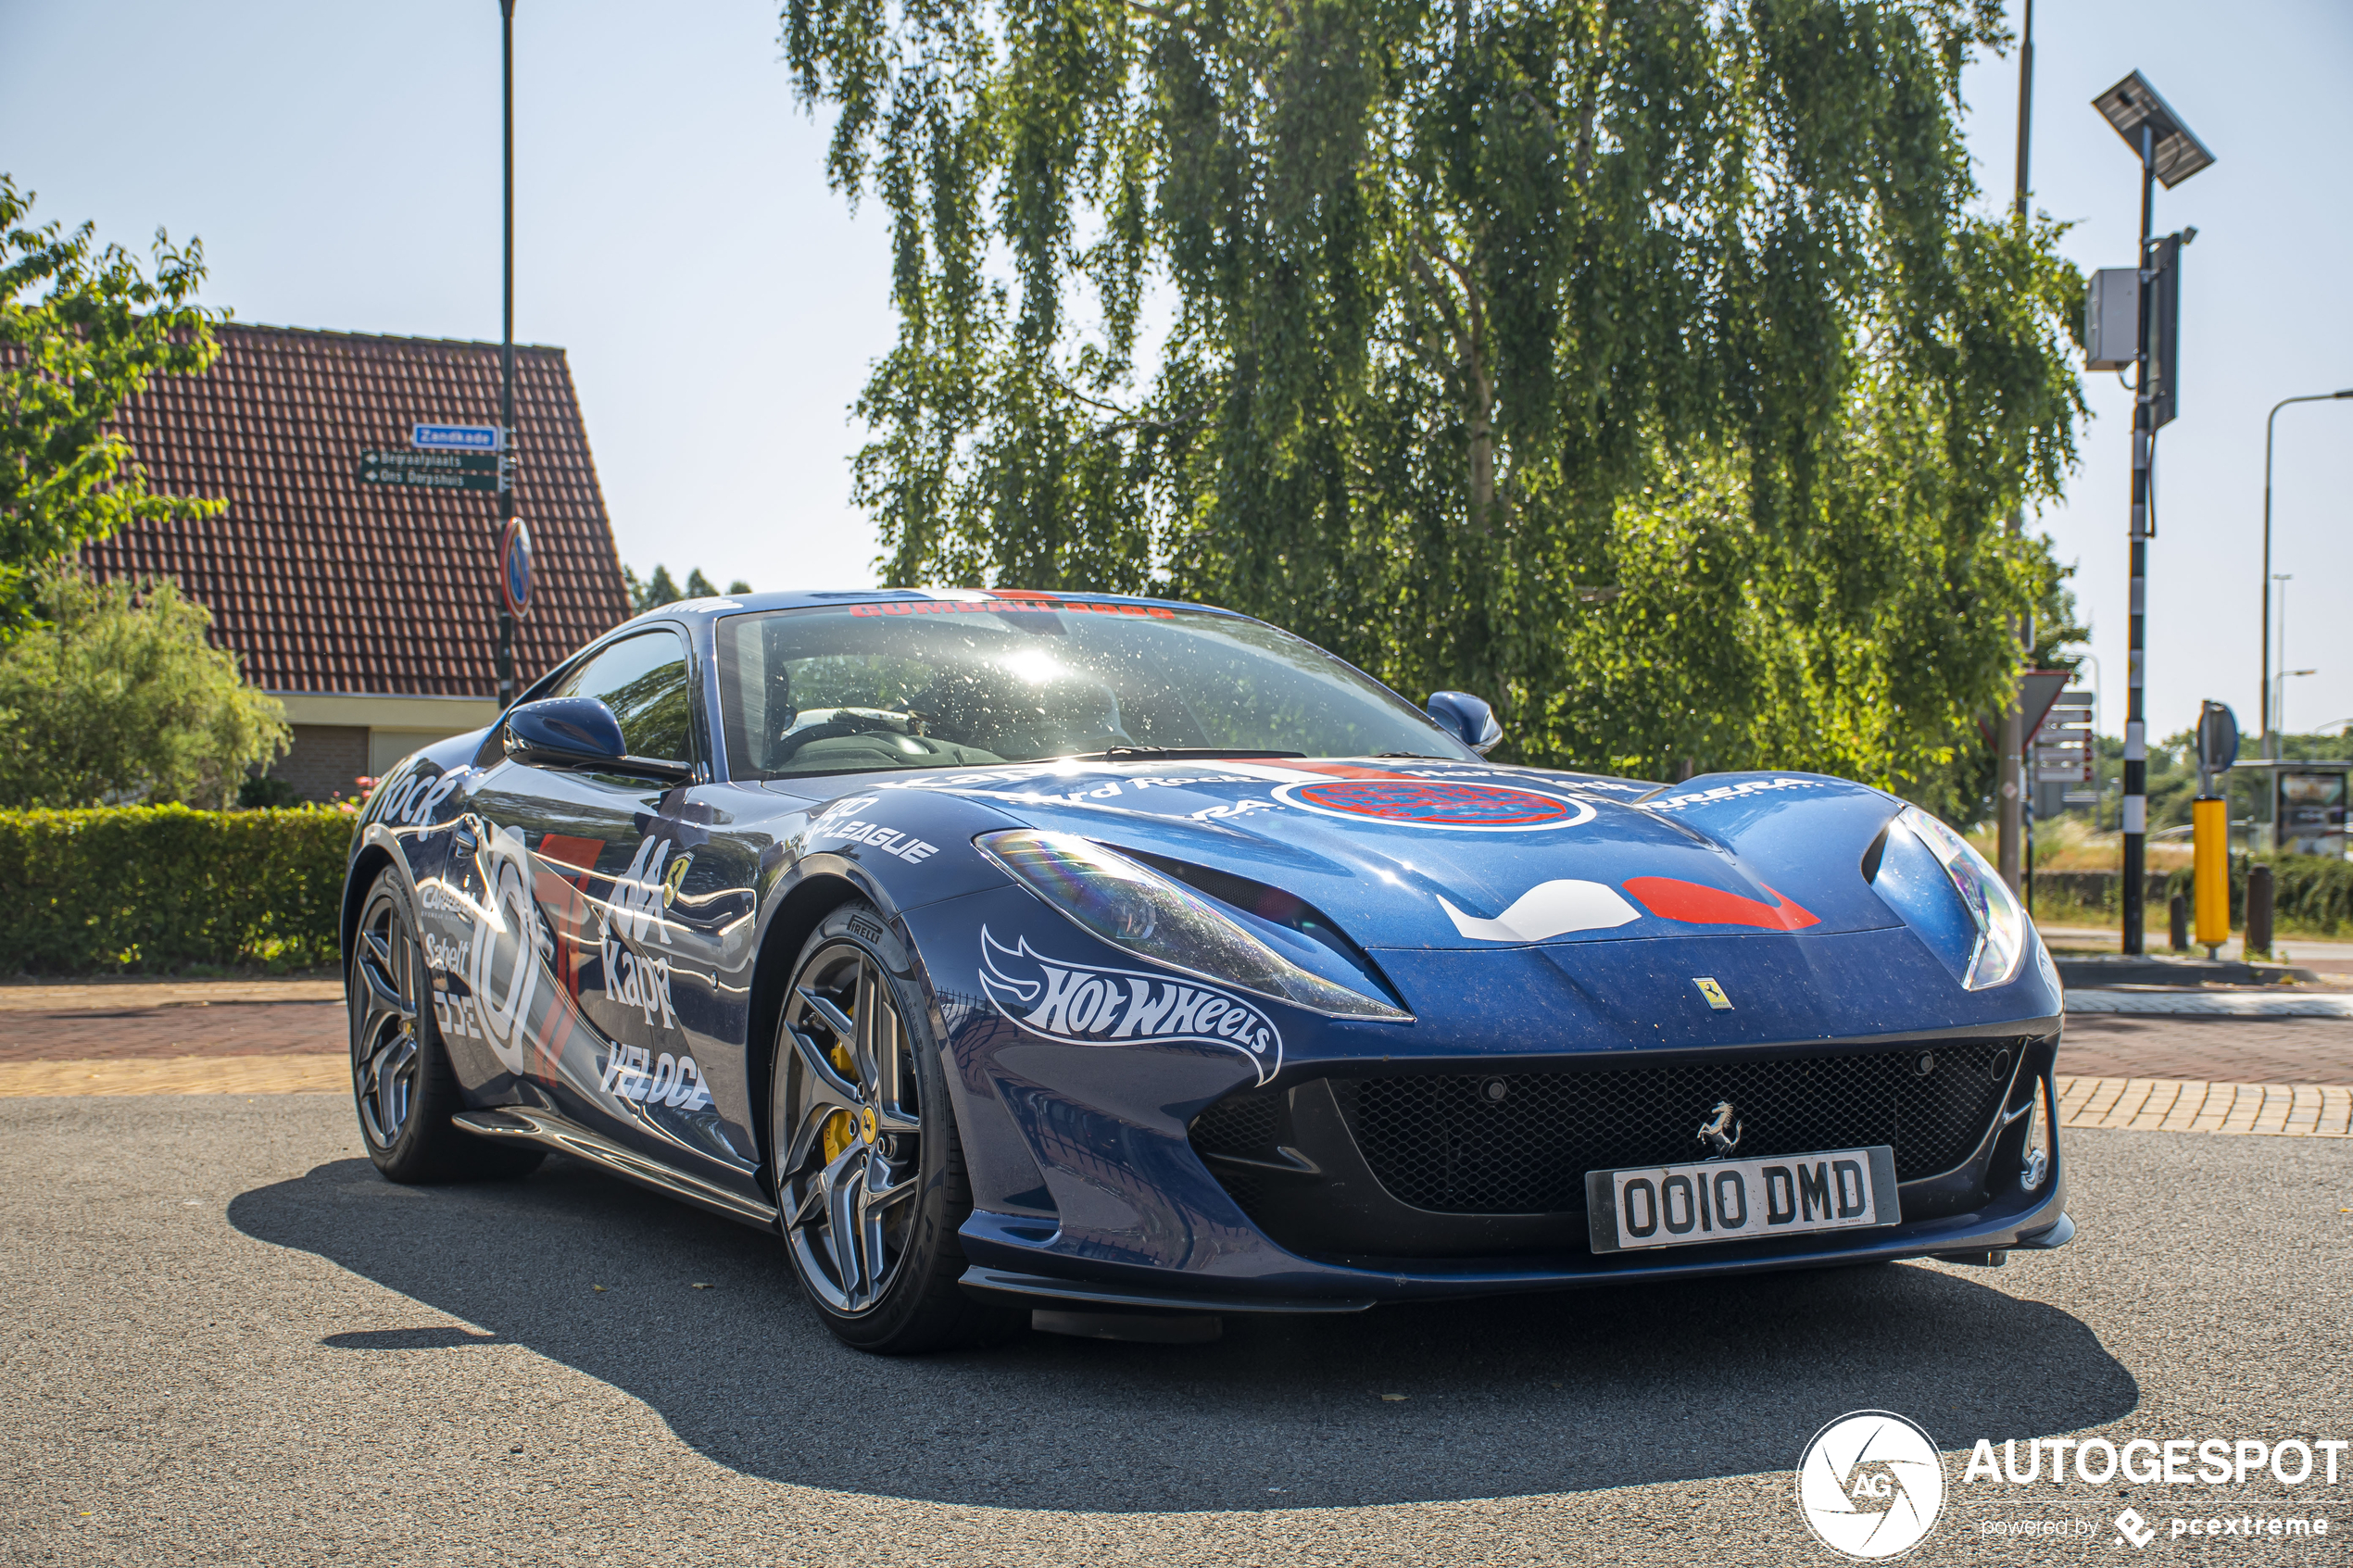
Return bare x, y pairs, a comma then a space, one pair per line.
1742, 1200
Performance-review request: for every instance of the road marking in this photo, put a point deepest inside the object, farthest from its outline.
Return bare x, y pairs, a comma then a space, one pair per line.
2184, 1105
180, 1075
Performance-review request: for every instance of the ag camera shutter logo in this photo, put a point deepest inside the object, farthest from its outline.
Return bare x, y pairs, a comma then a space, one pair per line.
1870, 1485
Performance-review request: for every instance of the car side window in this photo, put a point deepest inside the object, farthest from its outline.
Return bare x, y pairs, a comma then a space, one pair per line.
643, 679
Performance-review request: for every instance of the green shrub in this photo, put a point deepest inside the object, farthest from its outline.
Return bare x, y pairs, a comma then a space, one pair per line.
2314, 892
155, 889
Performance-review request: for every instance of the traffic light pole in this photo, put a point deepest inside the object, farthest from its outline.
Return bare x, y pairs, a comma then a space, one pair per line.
507, 360
2136, 766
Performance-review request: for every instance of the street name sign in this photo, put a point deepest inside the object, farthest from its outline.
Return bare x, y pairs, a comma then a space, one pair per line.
431, 471
454, 438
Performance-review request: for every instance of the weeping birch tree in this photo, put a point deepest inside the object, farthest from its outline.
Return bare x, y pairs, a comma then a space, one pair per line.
1647, 367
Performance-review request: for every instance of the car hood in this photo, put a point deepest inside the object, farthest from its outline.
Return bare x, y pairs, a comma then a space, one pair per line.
1438, 855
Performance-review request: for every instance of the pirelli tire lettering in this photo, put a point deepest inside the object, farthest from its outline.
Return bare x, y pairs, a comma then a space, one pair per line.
1090, 1004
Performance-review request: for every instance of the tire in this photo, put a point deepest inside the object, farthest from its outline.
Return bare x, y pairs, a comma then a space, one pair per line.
870, 1176
401, 1082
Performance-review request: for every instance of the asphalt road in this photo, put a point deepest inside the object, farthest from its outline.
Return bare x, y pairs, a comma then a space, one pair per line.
228, 1340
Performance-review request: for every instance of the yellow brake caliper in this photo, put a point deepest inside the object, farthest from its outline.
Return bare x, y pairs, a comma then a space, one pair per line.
841, 1128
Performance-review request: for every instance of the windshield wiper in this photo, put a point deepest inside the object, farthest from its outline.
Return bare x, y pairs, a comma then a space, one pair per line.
1417, 756
1168, 753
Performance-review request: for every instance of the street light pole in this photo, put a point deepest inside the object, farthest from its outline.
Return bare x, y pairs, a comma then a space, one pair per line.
2136, 766
2268, 421
507, 355
2010, 794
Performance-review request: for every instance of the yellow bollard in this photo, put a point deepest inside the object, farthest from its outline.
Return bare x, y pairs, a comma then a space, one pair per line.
2211, 831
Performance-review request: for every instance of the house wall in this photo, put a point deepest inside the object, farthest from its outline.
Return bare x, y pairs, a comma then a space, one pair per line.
325, 760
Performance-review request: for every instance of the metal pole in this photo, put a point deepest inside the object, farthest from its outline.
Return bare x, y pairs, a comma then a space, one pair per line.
507, 351
2137, 765
2010, 794
2269, 421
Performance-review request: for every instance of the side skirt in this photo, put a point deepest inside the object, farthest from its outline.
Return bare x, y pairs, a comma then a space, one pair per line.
530, 1126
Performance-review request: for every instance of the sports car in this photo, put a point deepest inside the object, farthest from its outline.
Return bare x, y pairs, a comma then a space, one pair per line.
1022, 953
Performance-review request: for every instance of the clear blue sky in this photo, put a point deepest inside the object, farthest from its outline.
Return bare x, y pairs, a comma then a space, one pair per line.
721, 306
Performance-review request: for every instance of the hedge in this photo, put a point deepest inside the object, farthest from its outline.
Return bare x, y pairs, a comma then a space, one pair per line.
2311, 891
158, 888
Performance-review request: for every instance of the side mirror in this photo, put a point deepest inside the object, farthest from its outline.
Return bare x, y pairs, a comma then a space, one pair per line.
576, 732
1467, 719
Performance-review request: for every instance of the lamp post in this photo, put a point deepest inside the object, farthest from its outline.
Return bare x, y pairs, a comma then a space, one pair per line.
2168, 154
510, 561
2010, 794
2268, 421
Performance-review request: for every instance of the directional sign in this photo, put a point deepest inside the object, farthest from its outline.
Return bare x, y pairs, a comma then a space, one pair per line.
431, 471
454, 438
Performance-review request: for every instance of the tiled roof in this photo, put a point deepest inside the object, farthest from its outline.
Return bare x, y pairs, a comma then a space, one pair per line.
321, 583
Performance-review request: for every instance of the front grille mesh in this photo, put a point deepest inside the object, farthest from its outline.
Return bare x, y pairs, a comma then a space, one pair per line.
1520, 1142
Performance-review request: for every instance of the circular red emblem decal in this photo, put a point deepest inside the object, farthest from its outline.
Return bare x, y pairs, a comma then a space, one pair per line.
1437, 803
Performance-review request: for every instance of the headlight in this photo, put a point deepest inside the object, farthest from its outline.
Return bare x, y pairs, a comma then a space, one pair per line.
1133, 907
1983, 940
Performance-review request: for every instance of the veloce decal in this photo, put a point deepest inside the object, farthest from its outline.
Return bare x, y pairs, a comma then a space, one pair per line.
1697, 903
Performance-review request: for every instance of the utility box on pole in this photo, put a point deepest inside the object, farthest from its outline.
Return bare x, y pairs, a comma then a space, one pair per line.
2112, 318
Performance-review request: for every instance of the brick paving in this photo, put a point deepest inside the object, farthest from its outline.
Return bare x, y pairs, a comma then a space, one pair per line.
104, 1033
2158, 1105
2230, 1051
227, 1074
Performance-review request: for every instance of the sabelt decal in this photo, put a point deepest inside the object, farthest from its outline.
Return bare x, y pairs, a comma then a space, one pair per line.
1092, 1005
1438, 803
631, 1072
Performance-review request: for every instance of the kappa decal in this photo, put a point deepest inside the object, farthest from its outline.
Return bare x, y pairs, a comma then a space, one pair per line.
1697, 903
1437, 803
1547, 910
1093, 1005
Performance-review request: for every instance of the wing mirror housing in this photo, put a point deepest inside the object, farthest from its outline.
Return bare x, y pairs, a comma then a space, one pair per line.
1469, 719
579, 732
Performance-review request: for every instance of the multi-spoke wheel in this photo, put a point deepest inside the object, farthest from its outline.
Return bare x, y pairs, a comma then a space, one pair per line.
400, 1075
870, 1178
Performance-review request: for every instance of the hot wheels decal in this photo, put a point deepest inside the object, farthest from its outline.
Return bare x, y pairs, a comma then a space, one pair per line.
1436, 803
1093, 1005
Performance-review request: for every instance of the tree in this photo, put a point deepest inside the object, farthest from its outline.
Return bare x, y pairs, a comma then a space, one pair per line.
660, 589
115, 696
101, 328
1641, 367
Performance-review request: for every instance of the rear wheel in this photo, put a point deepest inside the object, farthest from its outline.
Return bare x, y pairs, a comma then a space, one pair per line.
400, 1075
870, 1176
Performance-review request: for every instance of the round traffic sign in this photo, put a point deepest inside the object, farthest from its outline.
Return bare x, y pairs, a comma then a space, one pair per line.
514, 567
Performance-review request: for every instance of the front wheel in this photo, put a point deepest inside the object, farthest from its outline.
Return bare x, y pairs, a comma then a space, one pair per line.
870, 1177
401, 1079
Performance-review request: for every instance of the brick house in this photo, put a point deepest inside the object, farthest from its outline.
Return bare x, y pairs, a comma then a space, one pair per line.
370, 610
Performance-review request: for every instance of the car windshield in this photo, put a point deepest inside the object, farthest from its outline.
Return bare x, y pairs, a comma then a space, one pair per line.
960, 682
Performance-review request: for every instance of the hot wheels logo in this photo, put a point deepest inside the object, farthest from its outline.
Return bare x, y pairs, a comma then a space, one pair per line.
1093, 1005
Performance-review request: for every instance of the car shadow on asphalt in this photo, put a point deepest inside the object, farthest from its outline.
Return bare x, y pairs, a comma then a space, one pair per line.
700, 1320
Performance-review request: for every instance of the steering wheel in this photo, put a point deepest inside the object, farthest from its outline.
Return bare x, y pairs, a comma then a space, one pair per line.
845, 722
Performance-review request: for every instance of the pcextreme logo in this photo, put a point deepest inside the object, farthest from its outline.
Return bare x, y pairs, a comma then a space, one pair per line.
1870, 1485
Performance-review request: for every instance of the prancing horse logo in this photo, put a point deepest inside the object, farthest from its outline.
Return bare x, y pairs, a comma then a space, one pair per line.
1713, 1134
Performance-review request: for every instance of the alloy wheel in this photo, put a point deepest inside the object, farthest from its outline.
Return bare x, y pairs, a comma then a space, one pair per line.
386, 1054
849, 1171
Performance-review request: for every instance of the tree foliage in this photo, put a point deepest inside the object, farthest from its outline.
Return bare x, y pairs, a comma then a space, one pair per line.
1641, 366
115, 697
662, 589
99, 330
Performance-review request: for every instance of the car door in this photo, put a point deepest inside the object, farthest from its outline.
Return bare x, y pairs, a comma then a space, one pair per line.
627, 930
